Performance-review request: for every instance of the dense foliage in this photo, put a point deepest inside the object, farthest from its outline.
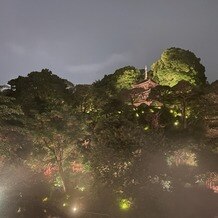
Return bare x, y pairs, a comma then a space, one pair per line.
90, 145
177, 64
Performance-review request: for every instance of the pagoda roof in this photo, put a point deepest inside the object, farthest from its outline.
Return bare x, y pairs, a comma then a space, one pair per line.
144, 82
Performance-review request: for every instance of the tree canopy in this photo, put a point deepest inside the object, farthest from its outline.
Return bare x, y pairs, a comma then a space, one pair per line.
122, 78
176, 64
40, 91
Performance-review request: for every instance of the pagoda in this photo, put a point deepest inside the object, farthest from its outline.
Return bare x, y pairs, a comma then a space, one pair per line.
140, 91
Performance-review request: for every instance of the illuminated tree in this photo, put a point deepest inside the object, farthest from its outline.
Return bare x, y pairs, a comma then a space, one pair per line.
182, 101
126, 77
177, 64
161, 97
113, 88
47, 101
186, 99
56, 136
112, 84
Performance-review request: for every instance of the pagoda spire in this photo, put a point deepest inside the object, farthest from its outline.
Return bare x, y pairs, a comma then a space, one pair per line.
146, 72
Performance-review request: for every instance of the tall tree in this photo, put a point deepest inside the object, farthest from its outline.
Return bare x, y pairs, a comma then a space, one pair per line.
47, 102
122, 78
177, 64
56, 136
39, 91
186, 98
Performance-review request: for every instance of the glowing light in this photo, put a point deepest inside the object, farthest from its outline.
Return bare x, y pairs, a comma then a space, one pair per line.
166, 184
45, 199
146, 128
125, 204
58, 182
64, 204
81, 189
176, 123
137, 115
75, 209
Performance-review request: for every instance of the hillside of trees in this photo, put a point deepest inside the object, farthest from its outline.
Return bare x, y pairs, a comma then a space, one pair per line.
85, 150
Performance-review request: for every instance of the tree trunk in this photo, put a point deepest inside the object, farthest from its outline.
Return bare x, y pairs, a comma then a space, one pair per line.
155, 121
184, 120
61, 173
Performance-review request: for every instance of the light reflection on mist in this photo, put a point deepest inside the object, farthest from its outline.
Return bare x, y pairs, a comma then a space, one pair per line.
178, 202
169, 189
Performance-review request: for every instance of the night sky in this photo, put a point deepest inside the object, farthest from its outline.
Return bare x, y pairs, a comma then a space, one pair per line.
81, 40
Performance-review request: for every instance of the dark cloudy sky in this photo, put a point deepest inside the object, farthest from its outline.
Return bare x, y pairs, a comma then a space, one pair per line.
82, 40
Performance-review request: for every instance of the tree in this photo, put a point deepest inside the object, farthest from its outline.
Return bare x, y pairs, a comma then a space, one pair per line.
10, 112
126, 77
161, 97
14, 142
186, 98
39, 91
57, 136
112, 88
82, 98
122, 78
116, 142
47, 102
209, 105
182, 101
177, 64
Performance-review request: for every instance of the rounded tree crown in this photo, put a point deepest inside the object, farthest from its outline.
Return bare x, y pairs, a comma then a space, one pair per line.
177, 64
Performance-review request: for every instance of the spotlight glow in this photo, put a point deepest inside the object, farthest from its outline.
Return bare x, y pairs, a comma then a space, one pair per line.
176, 123
125, 204
146, 128
45, 199
75, 209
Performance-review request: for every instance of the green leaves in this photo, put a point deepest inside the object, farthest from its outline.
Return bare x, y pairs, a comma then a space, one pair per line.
126, 77
40, 91
122, 78
9, 111
177, 64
